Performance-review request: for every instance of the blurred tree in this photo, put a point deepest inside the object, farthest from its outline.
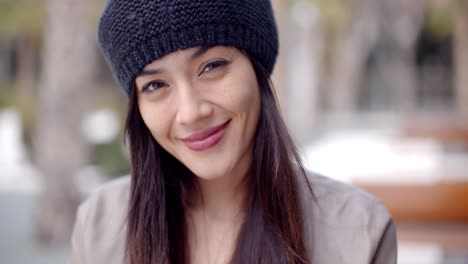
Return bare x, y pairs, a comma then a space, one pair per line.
401, 23
21, 26
434, 58
25, 16
354, 42
66, 80
305, 69
461, 55
384, 33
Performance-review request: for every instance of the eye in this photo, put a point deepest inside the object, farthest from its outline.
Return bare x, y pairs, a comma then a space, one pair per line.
211, 66
153, 86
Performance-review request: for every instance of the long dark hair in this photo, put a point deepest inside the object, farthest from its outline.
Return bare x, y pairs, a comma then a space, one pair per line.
272, 231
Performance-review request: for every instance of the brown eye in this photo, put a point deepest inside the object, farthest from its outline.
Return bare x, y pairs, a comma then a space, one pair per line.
153, 86
214, 65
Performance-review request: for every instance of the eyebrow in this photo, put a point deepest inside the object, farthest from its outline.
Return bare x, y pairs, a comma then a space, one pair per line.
199, 52
149, 72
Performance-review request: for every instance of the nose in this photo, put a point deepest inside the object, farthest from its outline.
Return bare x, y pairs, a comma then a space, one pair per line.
192, 106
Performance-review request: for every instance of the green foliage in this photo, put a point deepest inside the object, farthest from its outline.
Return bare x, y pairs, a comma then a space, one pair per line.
111, 158
7, 96
333, 12
440, 22
22, 16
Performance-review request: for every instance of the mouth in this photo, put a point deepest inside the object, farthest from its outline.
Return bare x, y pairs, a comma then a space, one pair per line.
207, 138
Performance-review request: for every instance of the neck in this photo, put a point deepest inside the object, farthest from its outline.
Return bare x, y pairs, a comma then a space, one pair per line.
222, 199
216, 218
225, 197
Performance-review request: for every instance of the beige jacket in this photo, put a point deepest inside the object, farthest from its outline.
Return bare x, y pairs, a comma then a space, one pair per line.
344, 225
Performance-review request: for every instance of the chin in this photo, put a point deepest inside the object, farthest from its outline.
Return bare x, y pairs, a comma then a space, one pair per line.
209, 173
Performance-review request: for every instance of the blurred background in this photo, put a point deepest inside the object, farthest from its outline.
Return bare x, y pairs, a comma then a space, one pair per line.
375, 93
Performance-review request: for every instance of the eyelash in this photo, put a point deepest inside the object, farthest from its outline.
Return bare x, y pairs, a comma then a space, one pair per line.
152, 83
214, 64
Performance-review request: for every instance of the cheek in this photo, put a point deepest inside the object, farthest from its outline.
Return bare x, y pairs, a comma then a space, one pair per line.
155, 120
241, 97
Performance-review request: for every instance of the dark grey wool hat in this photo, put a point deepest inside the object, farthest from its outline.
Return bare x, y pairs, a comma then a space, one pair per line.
133, 33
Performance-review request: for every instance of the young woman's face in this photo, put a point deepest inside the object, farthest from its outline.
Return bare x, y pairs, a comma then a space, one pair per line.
202, 105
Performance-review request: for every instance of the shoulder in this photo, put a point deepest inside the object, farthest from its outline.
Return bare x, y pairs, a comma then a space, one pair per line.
341, 201
100, 230
113, 193
110, 201
344, 219
346, 207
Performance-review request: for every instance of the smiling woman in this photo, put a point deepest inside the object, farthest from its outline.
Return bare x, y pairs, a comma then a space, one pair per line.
215, 176
203, 109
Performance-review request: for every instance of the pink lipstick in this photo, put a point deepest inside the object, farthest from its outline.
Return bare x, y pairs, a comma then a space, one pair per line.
207, 138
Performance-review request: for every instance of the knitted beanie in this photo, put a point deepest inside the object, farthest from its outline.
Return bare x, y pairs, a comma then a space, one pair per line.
134, 33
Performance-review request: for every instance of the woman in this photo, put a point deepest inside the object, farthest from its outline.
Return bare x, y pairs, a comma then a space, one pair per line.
215, 176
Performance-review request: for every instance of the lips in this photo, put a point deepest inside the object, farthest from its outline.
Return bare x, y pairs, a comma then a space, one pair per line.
207, 138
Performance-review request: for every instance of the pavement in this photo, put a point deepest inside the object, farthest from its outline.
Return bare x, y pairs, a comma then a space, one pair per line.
17, 243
